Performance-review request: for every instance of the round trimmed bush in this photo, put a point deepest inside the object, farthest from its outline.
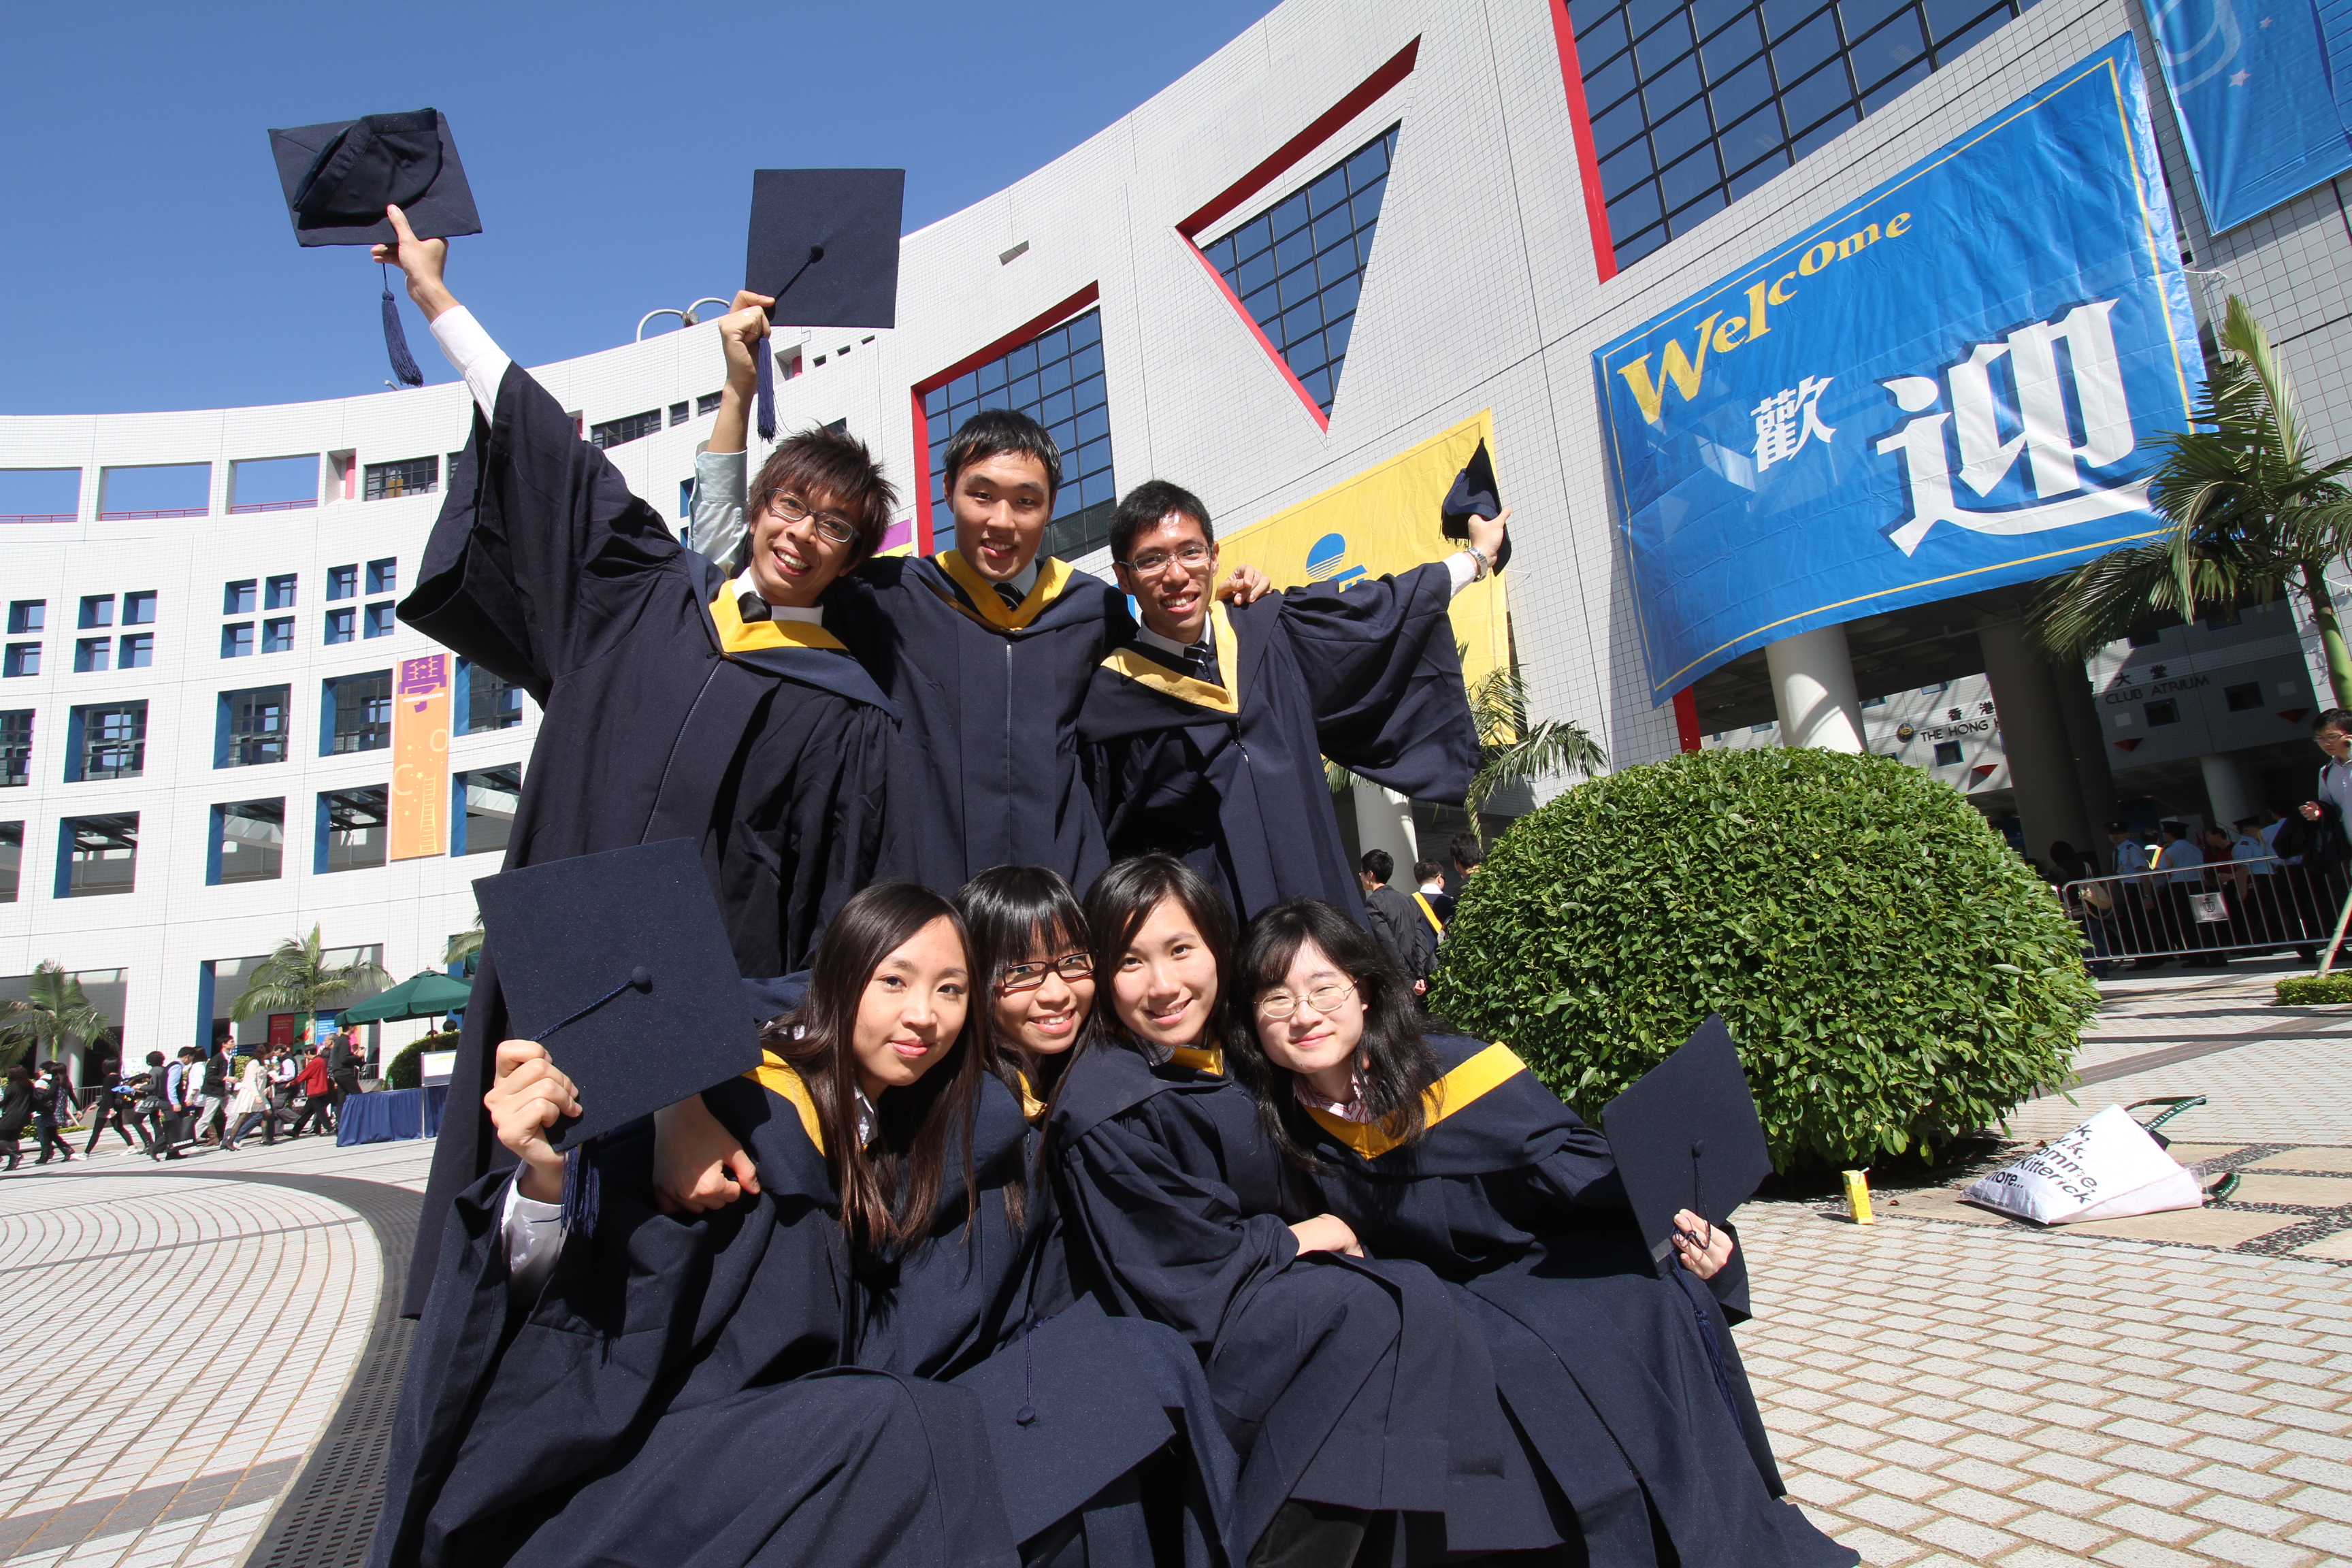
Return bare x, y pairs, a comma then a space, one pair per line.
1894, 973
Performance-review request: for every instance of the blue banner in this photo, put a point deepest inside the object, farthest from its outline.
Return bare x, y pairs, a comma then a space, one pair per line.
1955, 383
2265, 97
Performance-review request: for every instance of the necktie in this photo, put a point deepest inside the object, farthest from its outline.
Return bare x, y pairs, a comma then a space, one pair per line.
753, 608
1012, 596
1203, 655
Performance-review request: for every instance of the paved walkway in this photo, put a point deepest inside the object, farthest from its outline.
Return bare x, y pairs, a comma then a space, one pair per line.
1944, 1386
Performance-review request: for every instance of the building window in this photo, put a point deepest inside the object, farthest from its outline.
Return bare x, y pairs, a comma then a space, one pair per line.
380, 620
484, 701
416, 476
1056, 378
98, 855
484, 809
22, 658
620, 431
2242, 698
239, 598
677, 415
2165, 712
12, 859
384, 576
137, 651
342, 625
111, 741
27, 616
15, 748
1947, 753
277, 635
350, 830
1874, 702
279, 593
343, 583
236, 641
1299, 268
358, 714
254, 727
2142, 636
139, 609
248, 841
91, 653
97, 610
708, 404
1694, 106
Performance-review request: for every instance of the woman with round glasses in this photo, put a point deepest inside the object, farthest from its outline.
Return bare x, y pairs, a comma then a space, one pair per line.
1448, 1152
1365, 1421
1029, 945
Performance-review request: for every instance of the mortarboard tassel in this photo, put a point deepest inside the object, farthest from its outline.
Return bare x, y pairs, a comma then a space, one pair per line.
580, 1193
767, 389
395, 341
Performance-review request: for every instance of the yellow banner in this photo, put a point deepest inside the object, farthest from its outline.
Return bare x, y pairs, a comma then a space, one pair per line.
1383, 520
420, 757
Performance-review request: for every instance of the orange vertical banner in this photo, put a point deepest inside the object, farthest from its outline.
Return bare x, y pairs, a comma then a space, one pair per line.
420, 757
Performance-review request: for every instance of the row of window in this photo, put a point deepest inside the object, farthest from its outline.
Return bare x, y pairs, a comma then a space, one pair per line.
109, 740
239, 639
246, 842
31, 616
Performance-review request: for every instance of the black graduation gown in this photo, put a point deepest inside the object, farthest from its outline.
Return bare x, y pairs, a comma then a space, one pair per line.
988, 769
1603, 1362
738, 1389
1341, 1380
766, 744
1230, 778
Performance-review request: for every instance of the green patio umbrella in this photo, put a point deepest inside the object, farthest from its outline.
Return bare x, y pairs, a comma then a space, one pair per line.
423, 995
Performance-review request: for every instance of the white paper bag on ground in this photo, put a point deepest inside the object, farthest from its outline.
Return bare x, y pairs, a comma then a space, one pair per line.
2108, 1168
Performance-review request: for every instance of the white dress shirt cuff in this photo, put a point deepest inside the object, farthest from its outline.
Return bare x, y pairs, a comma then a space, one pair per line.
534, 1238
1461, 570
475, 357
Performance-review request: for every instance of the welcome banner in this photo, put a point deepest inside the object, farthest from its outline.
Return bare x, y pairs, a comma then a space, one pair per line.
1954, 384
420, 757
2265, 97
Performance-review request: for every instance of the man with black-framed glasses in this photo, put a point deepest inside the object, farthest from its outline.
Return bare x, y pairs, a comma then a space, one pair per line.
1211, 724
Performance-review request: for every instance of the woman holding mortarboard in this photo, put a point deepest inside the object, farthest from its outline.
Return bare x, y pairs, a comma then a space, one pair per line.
680, 699
834, 1370
1448, 1152
1366, 1421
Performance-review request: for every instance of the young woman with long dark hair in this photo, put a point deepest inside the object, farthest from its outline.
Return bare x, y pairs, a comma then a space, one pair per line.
1035, 971
1448, 1152
828, 1370
1354, 1404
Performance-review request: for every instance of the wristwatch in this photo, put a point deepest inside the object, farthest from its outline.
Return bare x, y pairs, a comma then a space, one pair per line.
1479, 557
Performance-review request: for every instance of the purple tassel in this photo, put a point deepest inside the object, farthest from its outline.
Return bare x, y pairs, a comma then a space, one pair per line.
396, 342
767, 388
580, 1193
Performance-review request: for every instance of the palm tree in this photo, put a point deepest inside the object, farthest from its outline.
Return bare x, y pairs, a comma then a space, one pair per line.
56, 1011
296, 978
465, 944
1511, 751
2253, 512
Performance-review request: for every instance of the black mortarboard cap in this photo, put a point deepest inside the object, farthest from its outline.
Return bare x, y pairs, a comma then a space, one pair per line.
824, 246
1688, 1137
1475, 494
620, 966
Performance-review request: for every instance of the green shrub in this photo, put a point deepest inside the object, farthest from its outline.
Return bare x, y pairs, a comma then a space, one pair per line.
2302, 990
406, 1069
1894, 973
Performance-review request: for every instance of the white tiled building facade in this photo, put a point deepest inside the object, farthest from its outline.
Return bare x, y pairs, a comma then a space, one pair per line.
1487, 285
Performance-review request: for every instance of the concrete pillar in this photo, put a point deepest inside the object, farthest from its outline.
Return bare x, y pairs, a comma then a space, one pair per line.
1812, 685
2078, 706
2225, 788
2033, 733
1384, 821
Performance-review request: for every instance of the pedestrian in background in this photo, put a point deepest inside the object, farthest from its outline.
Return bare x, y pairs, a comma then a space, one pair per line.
1396, 925
343, 1072
1432, 878
216, 1074
110, 1105
52, 1102
315, 1086
15, 1110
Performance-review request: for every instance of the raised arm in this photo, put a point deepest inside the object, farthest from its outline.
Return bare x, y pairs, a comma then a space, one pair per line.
719, 476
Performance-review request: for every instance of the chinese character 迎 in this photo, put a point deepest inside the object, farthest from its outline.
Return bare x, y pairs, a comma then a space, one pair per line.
1790, 418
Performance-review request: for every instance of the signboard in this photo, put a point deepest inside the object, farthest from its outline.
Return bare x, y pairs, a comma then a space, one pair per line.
420, 757
1384, 520
1954, 384
2263, 98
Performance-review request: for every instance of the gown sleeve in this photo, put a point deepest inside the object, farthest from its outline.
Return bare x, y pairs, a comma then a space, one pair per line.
834, 823
1385, 679
719, 500
1166, 1244
541, 555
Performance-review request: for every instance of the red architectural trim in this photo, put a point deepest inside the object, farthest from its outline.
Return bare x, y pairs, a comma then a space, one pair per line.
1588, 158
1686, 718
1089, 295
1314, 409
1286, 156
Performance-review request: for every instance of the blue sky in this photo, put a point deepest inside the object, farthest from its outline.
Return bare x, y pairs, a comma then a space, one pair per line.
151, 263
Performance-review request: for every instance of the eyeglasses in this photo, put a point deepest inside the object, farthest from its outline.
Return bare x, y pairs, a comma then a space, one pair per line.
1151, 562
1280, 1004
792, 509
1029, 976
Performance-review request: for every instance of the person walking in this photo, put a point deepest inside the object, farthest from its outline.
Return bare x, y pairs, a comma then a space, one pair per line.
1395, 924
52, 1102
216, 1072
184, 1097
315, 1086
15, 1110
343, 1072
152, 1111
112, 1104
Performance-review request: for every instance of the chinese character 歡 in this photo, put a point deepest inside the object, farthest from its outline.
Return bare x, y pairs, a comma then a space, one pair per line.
1787, 420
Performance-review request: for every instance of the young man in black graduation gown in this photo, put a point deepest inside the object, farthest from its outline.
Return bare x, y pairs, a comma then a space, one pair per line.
1211, 724
677, 703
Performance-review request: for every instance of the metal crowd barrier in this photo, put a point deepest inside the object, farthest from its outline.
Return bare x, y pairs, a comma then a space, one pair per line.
2227, 909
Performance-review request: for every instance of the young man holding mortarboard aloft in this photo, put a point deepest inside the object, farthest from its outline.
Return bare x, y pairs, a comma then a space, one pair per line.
681, 698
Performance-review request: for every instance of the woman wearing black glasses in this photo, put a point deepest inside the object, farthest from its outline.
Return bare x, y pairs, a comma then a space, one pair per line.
1448, 1152
1029, 947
